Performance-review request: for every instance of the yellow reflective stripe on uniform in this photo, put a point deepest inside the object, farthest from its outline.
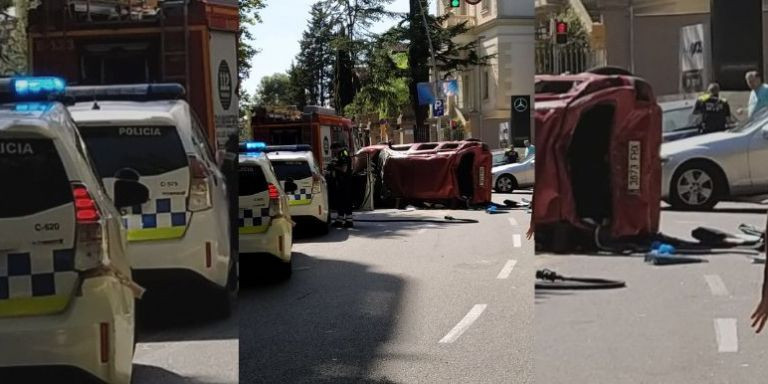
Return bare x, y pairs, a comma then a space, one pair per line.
156, 233
300, 202
27, 306
252, 230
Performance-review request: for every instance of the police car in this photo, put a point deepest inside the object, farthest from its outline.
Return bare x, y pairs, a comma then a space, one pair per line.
179, 237
308, 201
265, 225
66, 295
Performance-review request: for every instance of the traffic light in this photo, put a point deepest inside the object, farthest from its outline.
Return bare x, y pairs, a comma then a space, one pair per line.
455, 3
561, 32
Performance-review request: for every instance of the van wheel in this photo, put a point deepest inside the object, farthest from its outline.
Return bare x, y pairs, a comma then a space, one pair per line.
696, 186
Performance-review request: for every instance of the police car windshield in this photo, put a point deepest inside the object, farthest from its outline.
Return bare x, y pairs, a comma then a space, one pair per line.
148, 150
251, 180
34, 178
294, 169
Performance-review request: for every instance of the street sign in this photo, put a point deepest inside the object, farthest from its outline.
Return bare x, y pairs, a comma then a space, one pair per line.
439, 108
520, 125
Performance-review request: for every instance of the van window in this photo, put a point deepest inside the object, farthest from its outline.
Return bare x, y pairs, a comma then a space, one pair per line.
252, 180
295, 169
34, 177
148, 150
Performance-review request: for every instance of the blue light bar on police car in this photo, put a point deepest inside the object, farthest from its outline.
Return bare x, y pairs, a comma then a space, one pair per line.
31, 88
252, 147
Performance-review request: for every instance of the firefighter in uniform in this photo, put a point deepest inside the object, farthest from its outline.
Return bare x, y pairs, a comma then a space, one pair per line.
342, 175
713, 112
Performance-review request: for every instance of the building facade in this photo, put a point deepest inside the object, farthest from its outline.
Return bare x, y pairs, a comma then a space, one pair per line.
504, 29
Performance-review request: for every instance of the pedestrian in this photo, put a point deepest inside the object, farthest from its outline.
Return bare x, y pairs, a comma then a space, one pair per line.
713, 111
758, 98
512, 156
342, 176
760, 315
530, 150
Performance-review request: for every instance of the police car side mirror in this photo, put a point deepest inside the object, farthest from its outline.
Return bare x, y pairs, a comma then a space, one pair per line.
290, 186
129, 193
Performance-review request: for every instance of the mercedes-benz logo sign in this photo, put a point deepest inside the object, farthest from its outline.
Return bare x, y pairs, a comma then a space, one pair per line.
521, 105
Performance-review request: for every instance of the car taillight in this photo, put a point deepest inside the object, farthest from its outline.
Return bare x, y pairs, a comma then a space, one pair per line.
85, 207
89, 246
275, 208
199, 187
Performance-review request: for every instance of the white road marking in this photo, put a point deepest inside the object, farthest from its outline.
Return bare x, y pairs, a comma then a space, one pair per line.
512, 222
716, 285
464, 324
507, 269
421, 231
517, 241
727, 335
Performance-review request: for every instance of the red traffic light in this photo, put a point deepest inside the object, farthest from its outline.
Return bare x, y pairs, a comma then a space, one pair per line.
561, 28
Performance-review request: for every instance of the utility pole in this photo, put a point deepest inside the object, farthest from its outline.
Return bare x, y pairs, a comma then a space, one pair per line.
434, 62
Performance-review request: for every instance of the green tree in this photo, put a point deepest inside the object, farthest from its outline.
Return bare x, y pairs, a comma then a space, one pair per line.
297, 91
450, 57
316, 58
274, 90
249, 16
354, 19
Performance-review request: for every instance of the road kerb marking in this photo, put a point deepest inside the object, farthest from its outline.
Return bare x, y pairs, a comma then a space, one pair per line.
464, 324
716, 285
727, 335
512, 222
507, 270
517, 241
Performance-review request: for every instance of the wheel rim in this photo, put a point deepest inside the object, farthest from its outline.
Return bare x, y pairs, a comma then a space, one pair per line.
504, 184
695, 187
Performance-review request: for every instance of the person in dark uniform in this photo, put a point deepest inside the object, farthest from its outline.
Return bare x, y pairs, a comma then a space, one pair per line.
342, 175
714, 112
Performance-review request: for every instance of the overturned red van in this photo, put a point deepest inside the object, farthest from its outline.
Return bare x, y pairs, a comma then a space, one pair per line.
445, 171
598, 138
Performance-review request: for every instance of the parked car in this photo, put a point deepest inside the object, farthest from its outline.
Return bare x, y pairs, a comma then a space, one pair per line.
510, 177
678, 121
264, 222
698, 172
66, 298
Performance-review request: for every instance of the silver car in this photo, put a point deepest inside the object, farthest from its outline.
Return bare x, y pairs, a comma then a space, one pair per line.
509, 177
700, 171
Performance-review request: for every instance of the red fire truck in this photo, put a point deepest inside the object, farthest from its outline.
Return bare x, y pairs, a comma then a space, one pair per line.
316, 126
100, 42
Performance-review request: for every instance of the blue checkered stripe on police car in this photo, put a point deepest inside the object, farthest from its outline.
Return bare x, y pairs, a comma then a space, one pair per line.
253, 217
301, 194
160, 213
37, 274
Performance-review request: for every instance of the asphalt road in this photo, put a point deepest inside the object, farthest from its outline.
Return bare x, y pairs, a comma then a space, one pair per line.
177, 344
672, 324
398, 303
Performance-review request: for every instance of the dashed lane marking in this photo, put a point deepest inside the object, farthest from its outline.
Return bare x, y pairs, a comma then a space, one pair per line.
507, 270
464, 324
727, 335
